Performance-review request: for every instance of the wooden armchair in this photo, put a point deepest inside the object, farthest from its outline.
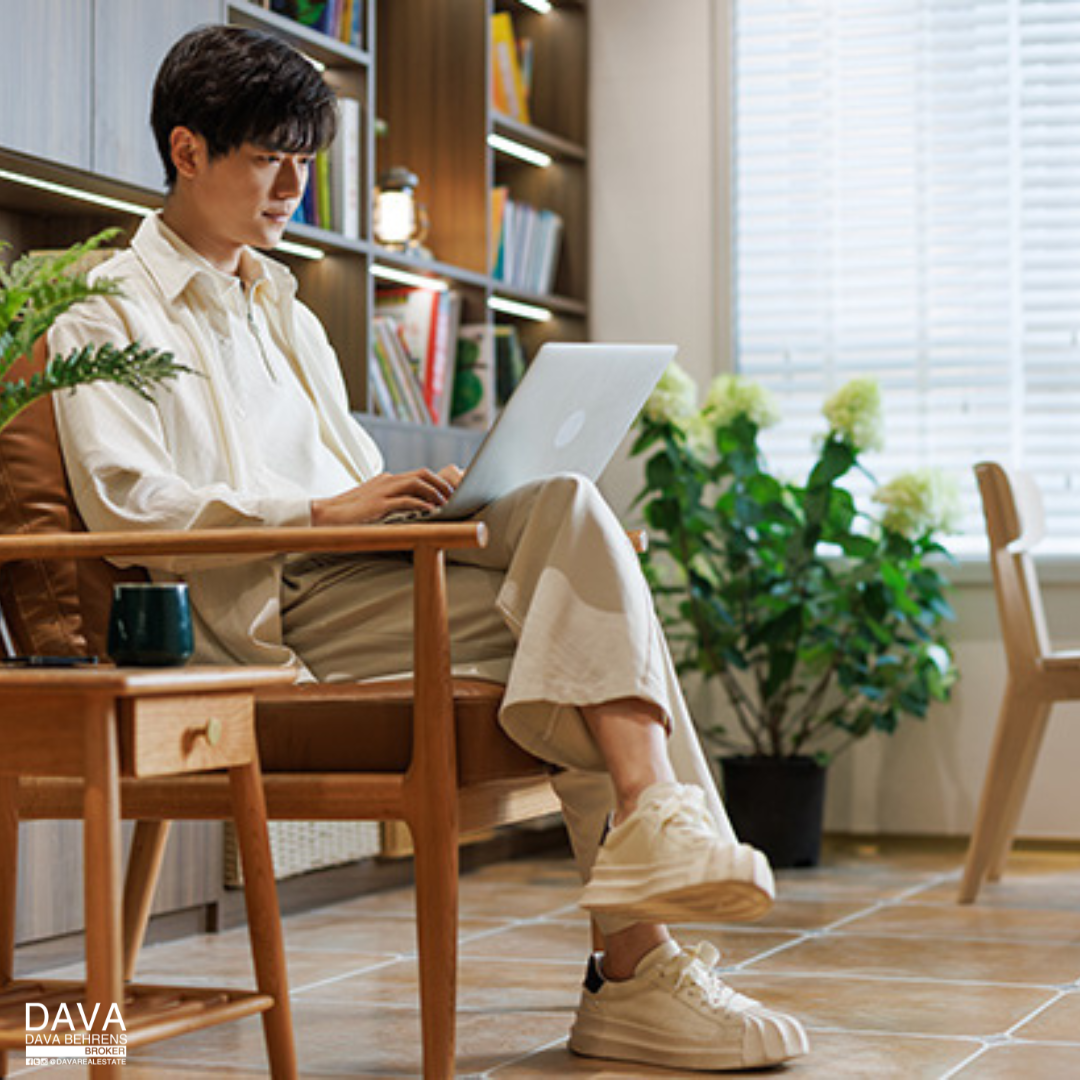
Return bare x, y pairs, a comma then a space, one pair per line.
427, 750
1039, 676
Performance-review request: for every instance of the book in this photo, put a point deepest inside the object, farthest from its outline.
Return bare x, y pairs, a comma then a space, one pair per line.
439, 374
380, 400
529, 245
308, 12
395, 394
508, 90
345, 170
509, 362
473, 403
499, 196
324, 216
428, 324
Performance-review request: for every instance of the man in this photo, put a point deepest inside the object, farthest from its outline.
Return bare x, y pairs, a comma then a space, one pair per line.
555, 607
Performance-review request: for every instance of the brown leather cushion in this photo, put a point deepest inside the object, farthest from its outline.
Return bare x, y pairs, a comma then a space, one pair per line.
60, 607
367, 727
55, 607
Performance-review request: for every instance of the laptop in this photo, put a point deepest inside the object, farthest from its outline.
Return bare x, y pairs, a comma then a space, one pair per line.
570, 411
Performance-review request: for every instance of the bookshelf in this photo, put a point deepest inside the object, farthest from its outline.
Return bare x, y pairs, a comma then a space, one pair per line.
423, 67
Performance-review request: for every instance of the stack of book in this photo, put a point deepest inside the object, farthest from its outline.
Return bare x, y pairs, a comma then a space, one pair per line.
525, 244
511, 69
414, 344
332, 197
340, 19
490, 364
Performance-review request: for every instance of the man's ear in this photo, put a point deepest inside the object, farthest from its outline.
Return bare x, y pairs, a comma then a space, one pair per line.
188, 150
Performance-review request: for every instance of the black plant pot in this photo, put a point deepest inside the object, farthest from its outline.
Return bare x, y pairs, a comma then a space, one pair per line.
776, 805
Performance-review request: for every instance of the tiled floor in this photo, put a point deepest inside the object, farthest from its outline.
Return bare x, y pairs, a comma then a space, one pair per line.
891, 977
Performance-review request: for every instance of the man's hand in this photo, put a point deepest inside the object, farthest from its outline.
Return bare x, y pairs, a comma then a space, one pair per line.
387, 493
452, 474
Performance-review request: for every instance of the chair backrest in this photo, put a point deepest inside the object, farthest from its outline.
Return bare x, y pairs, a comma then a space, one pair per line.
1013, 510
58, 607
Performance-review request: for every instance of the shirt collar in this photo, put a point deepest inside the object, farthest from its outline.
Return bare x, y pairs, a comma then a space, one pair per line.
174, 264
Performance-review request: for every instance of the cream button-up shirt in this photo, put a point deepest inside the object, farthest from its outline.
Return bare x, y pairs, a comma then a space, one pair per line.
187, 459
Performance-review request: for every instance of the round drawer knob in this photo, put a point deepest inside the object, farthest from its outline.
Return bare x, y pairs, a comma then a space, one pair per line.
213, 731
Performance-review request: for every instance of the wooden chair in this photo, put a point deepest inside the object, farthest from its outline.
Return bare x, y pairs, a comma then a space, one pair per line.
427, 750
1037, 676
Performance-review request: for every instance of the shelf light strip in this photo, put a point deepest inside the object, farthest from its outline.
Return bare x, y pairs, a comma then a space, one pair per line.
519, 150
305, 251
75, 193
543, 6
517, 308
289, 246
403, 277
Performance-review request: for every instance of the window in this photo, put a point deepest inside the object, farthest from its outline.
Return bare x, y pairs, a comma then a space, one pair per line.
907, 204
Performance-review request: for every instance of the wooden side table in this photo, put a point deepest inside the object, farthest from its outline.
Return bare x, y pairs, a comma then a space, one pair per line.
99, 724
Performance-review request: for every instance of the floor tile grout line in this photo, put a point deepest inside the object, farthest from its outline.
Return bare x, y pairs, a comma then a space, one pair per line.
1035, 1012
881, 1033
330, 980
492, 1074
969, 1060
843, 973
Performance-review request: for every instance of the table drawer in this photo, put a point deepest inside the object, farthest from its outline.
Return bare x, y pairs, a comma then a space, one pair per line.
186, 733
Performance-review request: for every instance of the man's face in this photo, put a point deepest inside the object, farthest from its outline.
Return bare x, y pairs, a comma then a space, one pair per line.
249, 195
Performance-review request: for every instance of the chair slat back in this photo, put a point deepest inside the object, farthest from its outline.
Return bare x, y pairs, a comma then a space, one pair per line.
1012, 507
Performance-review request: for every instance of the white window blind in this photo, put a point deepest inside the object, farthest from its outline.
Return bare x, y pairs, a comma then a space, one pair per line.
907, 205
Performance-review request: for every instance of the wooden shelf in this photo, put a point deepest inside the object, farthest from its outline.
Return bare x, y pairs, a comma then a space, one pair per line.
422, 69
559, 148
459, 276
319, 46
326, 239
430, 267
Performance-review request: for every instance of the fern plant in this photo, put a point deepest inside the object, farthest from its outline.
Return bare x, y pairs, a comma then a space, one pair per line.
34, 292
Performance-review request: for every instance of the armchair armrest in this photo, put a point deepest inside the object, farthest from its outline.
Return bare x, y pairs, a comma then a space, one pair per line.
269, 541
434, 751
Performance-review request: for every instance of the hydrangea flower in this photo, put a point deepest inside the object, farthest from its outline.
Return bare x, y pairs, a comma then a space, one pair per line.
920, 502
700, 434
854, 413
730, 397
674, 400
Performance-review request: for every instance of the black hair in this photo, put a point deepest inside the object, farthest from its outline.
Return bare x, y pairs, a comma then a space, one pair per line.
233, 86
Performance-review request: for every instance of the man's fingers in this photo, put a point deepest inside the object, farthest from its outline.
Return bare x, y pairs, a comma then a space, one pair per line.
452, 474
417, 486
425, 481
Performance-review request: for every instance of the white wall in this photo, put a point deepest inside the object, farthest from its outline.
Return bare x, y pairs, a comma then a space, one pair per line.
655, 206
658, 154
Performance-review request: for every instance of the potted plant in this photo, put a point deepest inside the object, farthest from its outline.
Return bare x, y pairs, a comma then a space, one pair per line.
822, 621
34, 292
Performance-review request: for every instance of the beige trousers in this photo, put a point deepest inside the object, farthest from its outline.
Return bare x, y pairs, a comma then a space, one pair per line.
555, 607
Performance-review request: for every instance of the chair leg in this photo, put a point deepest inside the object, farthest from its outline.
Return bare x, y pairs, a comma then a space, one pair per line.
436, 862
1005, 785
1025, 766
264, 916
143, 870
9, 871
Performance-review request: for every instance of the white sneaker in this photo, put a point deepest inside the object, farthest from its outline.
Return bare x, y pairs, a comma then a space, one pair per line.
676, 1011
668, 863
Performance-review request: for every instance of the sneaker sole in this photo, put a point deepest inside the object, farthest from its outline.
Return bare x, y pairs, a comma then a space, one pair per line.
619, 1041
670, 898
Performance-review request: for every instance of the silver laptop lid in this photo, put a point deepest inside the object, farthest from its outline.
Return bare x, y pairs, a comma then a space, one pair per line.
568, 414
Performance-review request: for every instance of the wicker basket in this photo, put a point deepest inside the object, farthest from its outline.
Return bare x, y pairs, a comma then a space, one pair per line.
300, 846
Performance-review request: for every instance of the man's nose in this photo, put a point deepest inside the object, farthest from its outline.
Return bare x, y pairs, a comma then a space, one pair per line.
291, 178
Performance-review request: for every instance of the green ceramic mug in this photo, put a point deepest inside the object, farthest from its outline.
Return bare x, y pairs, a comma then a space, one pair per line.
150, 624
